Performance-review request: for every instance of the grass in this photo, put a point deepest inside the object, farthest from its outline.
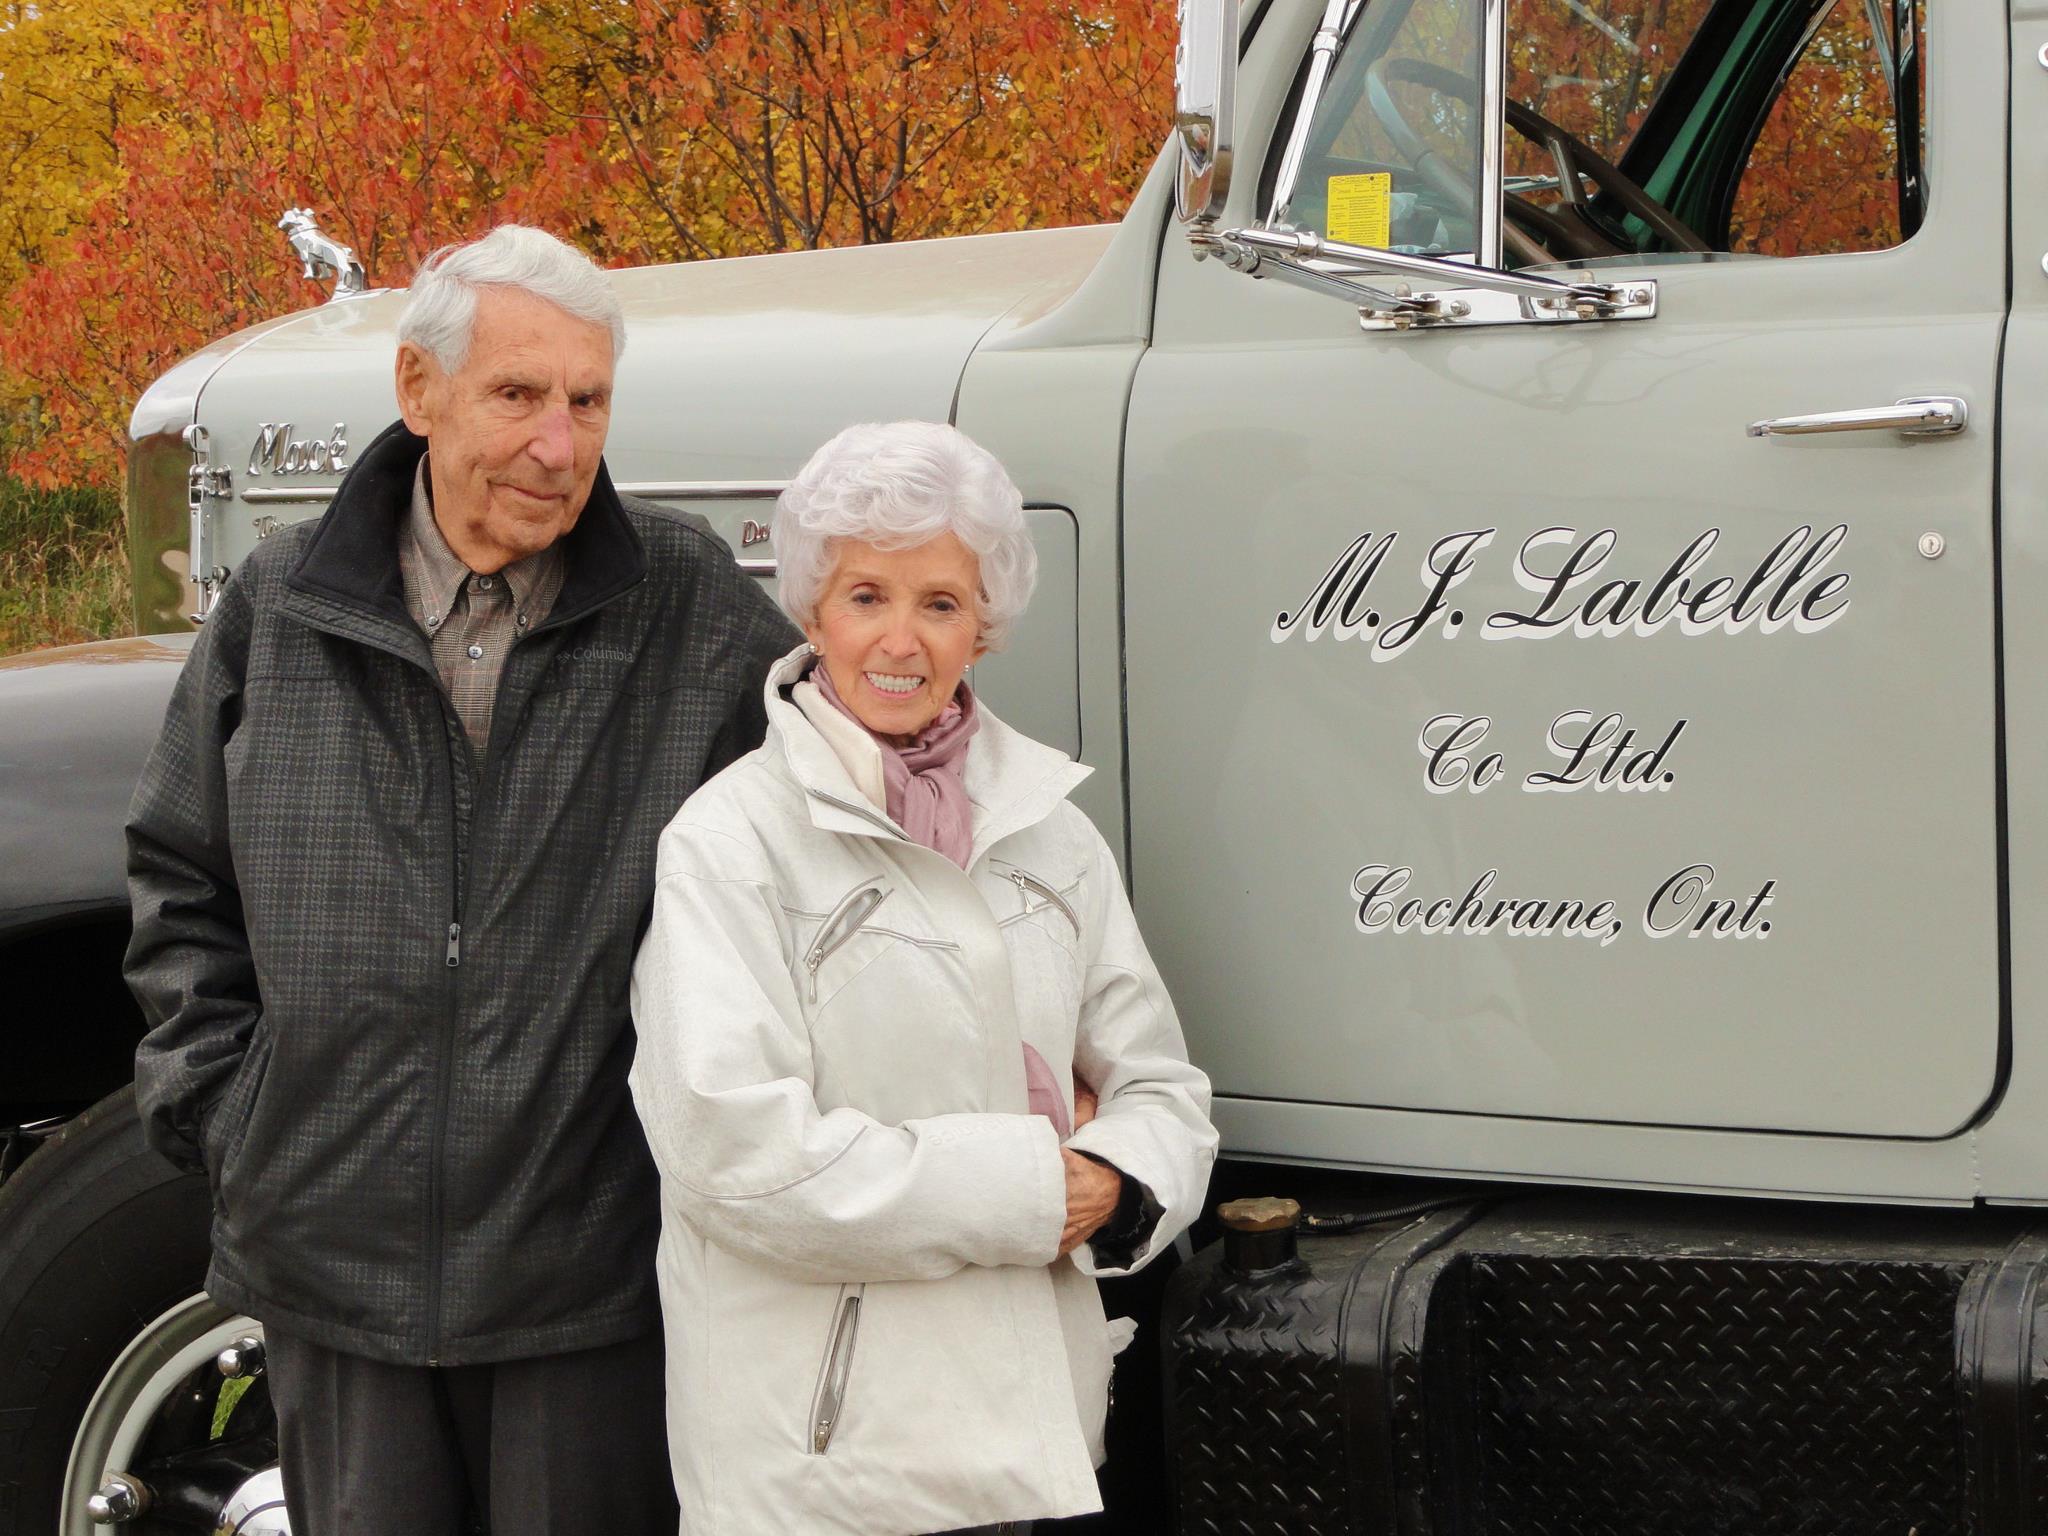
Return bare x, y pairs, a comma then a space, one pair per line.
63, 566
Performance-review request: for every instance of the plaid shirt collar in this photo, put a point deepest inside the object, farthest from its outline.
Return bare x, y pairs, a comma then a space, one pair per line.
440, 572
348, 563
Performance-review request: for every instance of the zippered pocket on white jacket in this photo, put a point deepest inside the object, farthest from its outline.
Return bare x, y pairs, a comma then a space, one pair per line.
841, 924
828, 1403
1029, 885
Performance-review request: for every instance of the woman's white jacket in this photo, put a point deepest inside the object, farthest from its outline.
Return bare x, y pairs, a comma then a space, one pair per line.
868, 1329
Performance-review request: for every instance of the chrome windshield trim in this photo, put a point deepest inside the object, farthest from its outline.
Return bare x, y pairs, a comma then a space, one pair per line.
1323, 50
1493, 92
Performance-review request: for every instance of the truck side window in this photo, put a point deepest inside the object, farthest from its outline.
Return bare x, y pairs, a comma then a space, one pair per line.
1594, 68
1825, 174
1393, 154
1770, 128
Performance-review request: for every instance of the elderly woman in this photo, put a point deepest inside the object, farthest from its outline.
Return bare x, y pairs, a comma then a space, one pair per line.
887, 957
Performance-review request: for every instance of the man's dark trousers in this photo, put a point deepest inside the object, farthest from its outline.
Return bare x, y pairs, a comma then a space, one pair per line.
558, 1445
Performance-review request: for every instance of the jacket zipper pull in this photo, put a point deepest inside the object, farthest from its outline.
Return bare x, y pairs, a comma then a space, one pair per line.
836, 929
838, 1368
454, 945
1027, 883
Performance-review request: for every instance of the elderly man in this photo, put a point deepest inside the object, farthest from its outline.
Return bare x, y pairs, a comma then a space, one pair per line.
389, 862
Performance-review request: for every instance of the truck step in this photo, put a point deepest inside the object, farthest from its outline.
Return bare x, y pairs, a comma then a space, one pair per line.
1546, 1365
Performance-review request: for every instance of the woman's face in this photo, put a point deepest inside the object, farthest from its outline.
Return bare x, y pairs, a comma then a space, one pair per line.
897, 627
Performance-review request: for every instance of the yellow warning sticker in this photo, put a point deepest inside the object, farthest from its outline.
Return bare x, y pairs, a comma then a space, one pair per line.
1361, 208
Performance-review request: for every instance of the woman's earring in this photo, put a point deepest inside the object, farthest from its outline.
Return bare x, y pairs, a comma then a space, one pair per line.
811, 648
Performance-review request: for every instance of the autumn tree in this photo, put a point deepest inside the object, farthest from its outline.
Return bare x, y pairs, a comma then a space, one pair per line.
1823, 173
404, 127
1594, 67
67, 88
791, 124
1835, 113
644, 130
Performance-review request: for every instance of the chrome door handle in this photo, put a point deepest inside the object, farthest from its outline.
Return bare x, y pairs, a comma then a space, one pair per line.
1919, 416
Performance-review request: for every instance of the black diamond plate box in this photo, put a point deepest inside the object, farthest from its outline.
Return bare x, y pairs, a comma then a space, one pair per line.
1517, 1365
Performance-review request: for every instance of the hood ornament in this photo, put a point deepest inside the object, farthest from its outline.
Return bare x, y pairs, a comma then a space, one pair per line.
322, 256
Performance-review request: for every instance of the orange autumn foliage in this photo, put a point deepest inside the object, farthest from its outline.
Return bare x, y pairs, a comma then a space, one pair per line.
657, 130
642, 130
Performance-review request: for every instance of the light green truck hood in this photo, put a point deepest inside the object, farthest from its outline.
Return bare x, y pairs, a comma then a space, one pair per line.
734, 370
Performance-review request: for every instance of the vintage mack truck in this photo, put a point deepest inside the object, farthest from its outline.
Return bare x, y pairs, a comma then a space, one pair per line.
1542, 515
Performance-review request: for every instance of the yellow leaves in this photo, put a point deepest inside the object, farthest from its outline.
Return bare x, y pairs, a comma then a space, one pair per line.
68, 82
165, 141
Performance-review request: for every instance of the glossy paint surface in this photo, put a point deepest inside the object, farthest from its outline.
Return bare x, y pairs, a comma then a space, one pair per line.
75, 725
1833, 781
733, 370
2013, 1146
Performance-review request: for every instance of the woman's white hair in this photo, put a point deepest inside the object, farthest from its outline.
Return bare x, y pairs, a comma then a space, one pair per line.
440, 314
895, 487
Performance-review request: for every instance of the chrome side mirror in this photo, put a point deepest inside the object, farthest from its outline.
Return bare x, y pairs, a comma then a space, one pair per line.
1205, 83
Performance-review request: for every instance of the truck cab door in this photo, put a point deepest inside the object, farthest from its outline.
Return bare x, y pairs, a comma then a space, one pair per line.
1571, 714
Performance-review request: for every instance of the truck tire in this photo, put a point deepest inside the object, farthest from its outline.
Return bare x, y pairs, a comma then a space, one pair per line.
101, 1241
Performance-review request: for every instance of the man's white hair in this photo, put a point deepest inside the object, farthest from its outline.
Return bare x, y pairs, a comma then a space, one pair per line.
896, 487
440, 314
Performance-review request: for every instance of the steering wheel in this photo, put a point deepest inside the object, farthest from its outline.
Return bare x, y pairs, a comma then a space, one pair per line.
1577, 237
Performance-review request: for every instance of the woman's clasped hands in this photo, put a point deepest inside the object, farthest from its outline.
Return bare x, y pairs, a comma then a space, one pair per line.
1092, 1188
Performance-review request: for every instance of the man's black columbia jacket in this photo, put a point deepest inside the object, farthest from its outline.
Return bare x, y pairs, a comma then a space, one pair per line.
385, 976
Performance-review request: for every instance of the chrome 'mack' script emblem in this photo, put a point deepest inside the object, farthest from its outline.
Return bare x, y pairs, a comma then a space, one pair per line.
277, 452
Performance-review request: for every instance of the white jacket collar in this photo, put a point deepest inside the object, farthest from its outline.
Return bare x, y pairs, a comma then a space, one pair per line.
858, 751
1012, 781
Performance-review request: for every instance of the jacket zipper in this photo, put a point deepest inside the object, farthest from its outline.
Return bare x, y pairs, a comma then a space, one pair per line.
841, 924
418, 654
863, 812
444, 1063
1026, 883
830, 1401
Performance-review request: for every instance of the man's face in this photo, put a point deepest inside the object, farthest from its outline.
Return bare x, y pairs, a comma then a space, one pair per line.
516, 432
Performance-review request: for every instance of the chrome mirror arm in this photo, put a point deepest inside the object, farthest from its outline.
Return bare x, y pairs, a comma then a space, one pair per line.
1301, 245
1241, 256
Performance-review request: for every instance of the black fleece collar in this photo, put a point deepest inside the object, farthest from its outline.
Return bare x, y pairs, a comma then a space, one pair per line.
352, 557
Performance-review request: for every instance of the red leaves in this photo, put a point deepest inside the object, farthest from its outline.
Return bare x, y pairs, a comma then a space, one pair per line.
648, 130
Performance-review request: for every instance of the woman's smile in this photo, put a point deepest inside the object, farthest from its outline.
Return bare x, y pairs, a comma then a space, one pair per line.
894, 683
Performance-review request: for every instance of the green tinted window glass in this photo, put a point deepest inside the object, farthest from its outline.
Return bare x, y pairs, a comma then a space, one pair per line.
1393, 154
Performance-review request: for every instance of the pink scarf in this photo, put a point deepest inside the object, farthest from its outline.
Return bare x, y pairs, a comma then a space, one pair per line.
927, 798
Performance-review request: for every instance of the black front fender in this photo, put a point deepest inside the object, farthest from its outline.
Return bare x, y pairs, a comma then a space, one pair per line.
75, 726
